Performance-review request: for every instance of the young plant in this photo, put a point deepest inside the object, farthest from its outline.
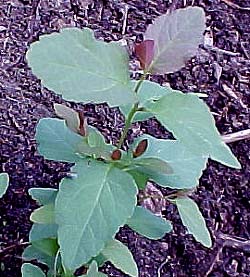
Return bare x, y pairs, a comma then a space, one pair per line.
76, 223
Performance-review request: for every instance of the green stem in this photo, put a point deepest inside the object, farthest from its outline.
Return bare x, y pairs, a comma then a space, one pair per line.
127, 125
55, 262
138, 85
132, 112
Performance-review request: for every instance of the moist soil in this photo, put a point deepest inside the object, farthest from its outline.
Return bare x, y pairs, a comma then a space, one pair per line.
221, 70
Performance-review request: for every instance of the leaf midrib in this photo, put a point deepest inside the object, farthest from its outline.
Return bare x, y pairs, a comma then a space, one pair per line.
92, 210
99, 74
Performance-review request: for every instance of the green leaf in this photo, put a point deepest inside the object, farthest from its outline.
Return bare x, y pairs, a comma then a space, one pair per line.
148, 92
91, 208
151, 91
43, 196
139, 177
187, 167
44, 251
56, 141
148, 225
30, 270
192, 218
42, 231
142, 116
4, 183
31, 253
176, 37
120, 256
100, 259
190, 121
97, 143
70, 116
44, 215
47, 246
82, 68
95, 138
153, 165
93, 271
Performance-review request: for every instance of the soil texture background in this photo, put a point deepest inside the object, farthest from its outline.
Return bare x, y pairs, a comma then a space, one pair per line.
221, 69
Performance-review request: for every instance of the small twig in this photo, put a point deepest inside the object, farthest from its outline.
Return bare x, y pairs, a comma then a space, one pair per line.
232, 94
229, 241
235, 242
124, 25
222, 51
160, 267
100, 12
14, 122
13, 246
244, 50
244, 134
215, 260
236, 6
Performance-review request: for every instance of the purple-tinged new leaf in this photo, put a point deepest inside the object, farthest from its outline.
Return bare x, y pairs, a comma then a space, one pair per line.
176, 38
70, 116
145, 52
75, 121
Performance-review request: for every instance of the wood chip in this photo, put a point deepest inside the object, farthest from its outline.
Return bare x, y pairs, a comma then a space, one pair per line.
236, 6
233, 94
244, 134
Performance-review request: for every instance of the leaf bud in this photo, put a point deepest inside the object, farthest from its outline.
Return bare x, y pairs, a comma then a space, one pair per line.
82, 129
141, 148
116, 155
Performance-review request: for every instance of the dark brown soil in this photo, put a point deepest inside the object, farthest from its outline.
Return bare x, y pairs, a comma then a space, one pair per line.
223, 194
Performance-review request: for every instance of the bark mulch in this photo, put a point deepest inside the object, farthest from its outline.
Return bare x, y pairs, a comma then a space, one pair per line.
222, 73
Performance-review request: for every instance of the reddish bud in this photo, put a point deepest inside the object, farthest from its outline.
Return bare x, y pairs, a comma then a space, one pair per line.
116, 155
141, 148
82, 130
145, 52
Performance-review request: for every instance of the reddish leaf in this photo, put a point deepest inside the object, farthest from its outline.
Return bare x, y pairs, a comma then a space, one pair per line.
176, 38
145, 52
